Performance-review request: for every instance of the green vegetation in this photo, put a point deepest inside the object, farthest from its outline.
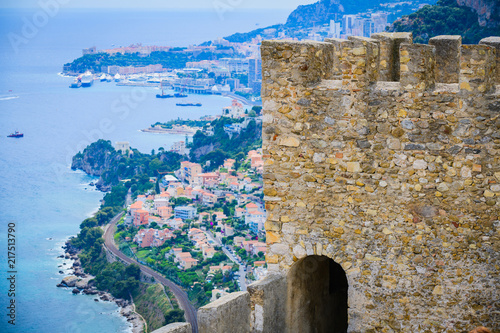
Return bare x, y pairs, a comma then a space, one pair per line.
237, 147
445, 18
156, 307
173, 59
182, 122
114, 167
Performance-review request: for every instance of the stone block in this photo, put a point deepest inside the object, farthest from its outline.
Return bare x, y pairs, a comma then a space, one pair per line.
477, 69
389, 53
230, 313
175, 328
268, 303
360, 62
495, 43
304, 63
338, 45
448, 50
417, 66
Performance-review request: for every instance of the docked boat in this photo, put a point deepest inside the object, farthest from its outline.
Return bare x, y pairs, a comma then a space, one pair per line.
109, 78
163, 95
188, 104
118, 78
87, 79
16, 134
76, 84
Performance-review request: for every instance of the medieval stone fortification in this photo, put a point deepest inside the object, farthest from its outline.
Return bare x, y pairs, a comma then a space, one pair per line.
382, 184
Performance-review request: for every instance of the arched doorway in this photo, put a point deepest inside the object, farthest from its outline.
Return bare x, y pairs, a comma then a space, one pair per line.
317, 296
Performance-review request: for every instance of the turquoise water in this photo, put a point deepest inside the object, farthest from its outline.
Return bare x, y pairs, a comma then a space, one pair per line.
38, 191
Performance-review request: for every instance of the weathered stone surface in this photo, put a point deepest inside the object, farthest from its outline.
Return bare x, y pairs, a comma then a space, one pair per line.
447, 57
268, 304
230, 313
175, 328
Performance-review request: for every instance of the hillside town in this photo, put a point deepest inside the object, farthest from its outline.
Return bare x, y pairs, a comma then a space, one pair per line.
220, 213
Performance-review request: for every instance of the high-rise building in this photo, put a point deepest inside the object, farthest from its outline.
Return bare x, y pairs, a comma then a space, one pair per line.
255, 73
334, 29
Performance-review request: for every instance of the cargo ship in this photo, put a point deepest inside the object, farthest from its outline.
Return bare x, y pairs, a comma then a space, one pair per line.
16, 134
87, 79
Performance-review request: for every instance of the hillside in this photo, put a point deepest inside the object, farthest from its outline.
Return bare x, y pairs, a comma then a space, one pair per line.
321, 12
215, 149
447, 17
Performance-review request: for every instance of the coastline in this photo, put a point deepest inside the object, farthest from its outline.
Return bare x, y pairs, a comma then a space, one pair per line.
81, 283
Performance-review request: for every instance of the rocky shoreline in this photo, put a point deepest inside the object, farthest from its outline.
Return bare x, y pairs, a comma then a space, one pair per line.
83, 283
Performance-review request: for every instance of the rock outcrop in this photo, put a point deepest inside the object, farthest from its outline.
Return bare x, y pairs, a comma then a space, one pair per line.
487, 11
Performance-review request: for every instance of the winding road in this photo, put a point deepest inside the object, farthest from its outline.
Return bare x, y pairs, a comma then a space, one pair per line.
180, 295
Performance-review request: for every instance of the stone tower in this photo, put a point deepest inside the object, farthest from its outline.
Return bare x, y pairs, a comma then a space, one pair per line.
382, 182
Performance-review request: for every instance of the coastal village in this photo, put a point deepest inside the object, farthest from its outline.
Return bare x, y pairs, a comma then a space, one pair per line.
222, 215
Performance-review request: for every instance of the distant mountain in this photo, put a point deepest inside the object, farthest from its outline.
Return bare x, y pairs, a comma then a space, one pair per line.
453, 17
323, 11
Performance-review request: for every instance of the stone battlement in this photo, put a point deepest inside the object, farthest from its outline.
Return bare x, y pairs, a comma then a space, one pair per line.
359, 62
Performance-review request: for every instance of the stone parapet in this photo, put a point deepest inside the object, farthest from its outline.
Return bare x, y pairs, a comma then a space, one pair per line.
477, 69
448, 51
298, 63
417, 66
268, 302
495, 43
359, 62
230, 313
389, 53
175, 328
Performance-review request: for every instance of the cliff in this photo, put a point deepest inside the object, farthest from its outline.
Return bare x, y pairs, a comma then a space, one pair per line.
101, 159
487, 11
471, 19
318, 13
96, 158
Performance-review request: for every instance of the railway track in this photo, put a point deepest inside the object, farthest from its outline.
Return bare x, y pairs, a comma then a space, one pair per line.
180, 295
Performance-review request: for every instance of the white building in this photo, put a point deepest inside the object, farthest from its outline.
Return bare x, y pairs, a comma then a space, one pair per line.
122, 146
179, 147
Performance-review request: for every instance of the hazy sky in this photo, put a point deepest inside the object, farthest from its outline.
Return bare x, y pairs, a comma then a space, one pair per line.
167, 4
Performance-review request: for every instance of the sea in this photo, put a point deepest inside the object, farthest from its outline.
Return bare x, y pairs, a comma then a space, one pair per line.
42, 201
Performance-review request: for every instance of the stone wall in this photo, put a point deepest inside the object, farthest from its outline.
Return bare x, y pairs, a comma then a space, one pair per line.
377, 159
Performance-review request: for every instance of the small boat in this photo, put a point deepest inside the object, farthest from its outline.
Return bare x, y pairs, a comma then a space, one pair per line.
188, 104
76, 84
103, 77
16, 134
